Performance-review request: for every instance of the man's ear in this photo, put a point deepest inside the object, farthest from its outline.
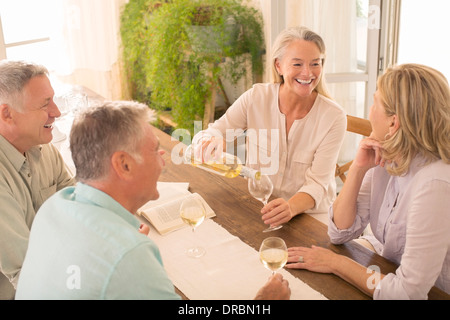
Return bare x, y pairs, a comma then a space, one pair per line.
5, 112
122, 163
395, 125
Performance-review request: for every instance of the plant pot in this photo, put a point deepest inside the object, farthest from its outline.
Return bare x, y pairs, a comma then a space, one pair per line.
207, 39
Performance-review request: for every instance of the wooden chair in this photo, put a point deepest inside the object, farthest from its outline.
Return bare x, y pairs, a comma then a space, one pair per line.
356, 125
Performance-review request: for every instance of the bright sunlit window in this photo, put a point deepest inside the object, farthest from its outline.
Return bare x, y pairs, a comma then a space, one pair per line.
26, 21
424, 27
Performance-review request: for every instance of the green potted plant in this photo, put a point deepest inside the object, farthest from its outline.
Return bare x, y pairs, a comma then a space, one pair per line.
187, 43
133, 30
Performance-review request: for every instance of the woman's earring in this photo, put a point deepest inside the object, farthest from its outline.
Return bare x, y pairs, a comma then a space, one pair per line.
387, 136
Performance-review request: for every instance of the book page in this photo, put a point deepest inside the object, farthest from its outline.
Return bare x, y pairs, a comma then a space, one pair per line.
164, 214
168, 191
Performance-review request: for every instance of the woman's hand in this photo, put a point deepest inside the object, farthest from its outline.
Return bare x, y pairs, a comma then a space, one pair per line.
280, 211
368, 154
277, 212
209, 149
323, 260
315, 259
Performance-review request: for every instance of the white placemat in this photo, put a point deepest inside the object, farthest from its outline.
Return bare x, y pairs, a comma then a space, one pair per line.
230, 269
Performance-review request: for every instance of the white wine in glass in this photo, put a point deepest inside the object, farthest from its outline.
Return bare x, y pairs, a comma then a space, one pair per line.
193, 213
273, 253
261, 189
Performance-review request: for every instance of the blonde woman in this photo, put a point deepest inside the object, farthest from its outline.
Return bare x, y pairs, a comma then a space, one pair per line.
294, 130
399, 182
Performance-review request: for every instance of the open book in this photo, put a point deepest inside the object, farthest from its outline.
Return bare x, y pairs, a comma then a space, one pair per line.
164, 213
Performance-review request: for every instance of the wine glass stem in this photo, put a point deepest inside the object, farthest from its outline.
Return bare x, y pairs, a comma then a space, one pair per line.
194, 247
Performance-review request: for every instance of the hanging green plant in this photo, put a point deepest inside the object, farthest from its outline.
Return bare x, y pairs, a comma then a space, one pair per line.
134, 33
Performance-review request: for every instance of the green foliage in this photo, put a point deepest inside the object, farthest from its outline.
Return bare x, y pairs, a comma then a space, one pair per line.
167, 59
135, 45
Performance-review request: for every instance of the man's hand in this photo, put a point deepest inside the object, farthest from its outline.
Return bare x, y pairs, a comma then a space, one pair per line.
276, 288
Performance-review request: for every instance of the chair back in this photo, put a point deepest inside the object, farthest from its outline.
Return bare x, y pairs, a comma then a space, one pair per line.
355, 125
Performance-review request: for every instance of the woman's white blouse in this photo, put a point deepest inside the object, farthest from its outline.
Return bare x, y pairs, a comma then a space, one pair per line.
304, 160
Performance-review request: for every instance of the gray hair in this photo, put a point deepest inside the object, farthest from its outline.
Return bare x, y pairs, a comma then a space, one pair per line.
14, 75
285, 38
103, 129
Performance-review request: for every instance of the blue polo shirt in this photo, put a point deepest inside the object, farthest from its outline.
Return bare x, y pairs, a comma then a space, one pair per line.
85, 245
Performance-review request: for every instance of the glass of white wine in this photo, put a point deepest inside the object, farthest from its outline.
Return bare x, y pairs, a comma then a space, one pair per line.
273, 253
261, 189
63, 107
77, 102
192, 212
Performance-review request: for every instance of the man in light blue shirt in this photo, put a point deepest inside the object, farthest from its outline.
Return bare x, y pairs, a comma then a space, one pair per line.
84, 243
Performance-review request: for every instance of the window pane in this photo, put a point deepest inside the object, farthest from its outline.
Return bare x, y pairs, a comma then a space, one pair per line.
26, 19
362, 13
40, 53
354, 104
342, 25
423, 29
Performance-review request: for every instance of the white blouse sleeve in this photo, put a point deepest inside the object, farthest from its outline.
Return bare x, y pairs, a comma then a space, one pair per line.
321, 171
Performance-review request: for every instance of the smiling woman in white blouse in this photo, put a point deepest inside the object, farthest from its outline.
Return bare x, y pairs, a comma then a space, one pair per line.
294, 129
399, 182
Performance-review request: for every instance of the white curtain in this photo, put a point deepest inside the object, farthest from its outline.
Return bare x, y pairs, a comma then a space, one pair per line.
335, 21
86, 43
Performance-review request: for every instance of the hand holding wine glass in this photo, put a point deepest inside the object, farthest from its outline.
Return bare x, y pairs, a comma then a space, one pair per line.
193, 213
273, 253
261, 189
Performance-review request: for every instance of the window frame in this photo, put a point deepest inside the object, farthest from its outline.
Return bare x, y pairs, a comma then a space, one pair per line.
379, 17
4, 46
389, 33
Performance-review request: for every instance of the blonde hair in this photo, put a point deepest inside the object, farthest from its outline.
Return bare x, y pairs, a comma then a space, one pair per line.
282, 42
420, 97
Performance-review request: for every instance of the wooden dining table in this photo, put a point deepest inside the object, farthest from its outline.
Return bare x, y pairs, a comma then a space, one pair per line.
239, 213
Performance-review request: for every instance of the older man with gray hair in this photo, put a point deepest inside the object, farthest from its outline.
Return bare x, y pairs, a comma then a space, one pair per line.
31, 169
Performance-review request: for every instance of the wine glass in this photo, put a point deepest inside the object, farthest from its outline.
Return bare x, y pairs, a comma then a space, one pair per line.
63, 107
193, 213
273, 253
261, 189
76, 102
